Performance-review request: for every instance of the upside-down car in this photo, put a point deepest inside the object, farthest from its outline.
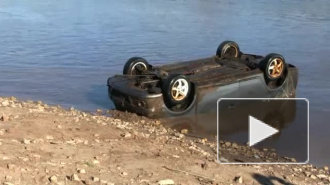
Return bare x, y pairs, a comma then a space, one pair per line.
191, 87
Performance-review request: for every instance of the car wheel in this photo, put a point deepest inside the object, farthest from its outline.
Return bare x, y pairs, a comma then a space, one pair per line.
135, 66
176, 89
273, 66
228, 48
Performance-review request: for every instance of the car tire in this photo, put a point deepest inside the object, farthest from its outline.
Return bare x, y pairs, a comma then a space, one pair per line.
229, 49
136, 66
273, 66
176, 89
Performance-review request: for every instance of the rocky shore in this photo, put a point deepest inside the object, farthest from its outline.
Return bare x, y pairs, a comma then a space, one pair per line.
43, 144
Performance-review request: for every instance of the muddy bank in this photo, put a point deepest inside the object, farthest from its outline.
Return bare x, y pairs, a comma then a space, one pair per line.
42, 144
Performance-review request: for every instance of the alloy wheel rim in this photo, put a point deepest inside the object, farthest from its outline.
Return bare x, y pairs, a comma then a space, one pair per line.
179, 89
231, 50
275, 68
134, 71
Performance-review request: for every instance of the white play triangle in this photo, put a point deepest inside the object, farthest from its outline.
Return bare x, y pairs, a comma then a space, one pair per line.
259, 131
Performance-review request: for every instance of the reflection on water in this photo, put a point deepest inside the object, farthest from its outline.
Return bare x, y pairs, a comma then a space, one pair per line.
278, 114
62, 52
288, 116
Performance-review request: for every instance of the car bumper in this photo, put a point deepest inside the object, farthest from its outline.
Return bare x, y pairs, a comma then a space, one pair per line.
150, 106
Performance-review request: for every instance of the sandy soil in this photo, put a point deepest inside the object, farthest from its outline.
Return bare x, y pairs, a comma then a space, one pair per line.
42, 144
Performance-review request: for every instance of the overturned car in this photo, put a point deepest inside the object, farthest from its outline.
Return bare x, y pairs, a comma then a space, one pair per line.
191, 87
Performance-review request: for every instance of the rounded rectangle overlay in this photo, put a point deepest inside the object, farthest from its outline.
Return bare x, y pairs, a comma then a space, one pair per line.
238, 118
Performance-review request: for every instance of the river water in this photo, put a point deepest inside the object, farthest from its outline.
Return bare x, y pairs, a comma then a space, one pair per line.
62, 52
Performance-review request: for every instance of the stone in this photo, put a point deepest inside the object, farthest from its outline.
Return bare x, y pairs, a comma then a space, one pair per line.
124, 173
296, 169
13, 98
176, 156
95, 179
204, 165
307, 174
75, 177
10, 166
8, 183
234, 145
164, 131
228, 144
96, 162
326, 168
26, 141
184, 131
179, 135
166, 182
81, 171
48, 137
53, 178
322, 176
5, 103
40, 108
239, 179
4, 117
126, 135
312, 176
37, 141
222, 159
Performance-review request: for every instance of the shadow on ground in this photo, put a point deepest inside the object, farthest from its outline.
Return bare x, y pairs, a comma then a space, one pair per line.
261, 179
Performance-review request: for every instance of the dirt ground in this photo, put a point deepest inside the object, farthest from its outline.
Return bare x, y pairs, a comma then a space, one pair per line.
42, 144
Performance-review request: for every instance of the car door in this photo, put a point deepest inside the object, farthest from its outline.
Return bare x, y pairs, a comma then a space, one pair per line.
252, 87
206, 111
208, 97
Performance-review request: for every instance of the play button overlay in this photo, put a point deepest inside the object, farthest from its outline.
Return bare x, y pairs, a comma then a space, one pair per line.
263, 131
259, 131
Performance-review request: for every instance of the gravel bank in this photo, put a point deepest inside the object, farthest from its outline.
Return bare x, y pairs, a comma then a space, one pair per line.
43, 144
